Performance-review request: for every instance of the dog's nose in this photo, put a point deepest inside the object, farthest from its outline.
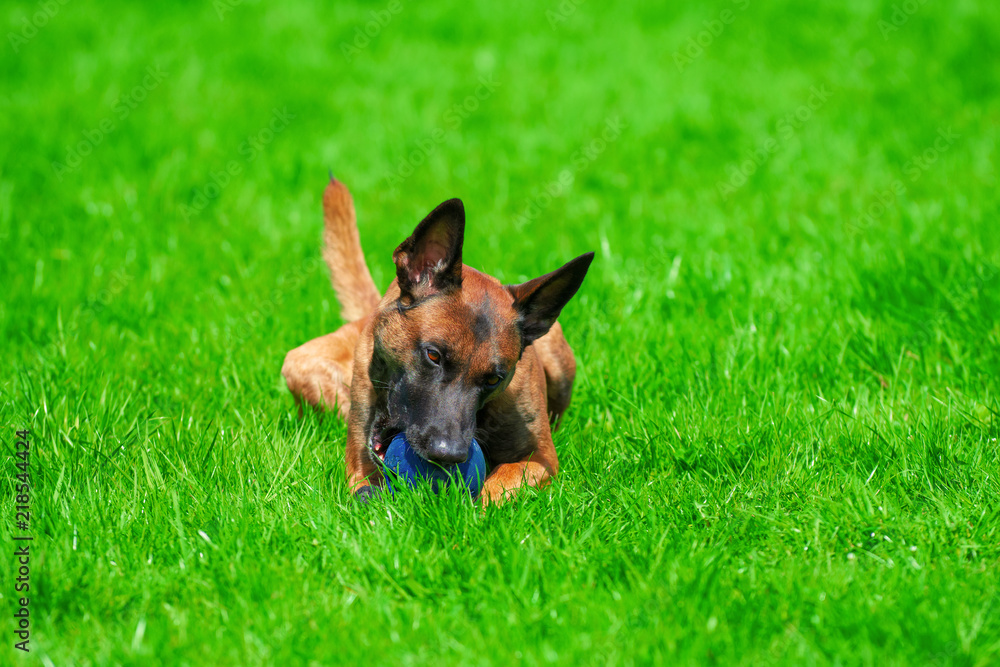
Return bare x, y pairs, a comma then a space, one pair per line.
448, 452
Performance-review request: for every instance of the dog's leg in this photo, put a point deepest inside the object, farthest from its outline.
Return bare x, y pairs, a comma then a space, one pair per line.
364, 478
536, 469
560, 371
507, 478
517, 433
319, 372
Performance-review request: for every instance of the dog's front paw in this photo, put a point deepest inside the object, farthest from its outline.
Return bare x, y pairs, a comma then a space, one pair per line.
366, 493
494, 494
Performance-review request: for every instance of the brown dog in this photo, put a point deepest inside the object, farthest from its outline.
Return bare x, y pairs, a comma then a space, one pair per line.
447, 354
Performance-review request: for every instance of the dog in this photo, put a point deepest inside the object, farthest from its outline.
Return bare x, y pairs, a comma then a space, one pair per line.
446, 354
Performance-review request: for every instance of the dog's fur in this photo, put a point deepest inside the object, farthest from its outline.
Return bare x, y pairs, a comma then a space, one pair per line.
446, 354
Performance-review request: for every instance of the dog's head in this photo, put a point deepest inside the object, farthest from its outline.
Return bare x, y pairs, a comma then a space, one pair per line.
448, 338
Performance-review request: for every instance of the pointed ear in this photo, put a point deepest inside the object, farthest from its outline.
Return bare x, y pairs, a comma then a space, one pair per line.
430, 260
540, 301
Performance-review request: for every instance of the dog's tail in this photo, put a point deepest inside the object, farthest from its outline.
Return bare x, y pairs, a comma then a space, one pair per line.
349, 274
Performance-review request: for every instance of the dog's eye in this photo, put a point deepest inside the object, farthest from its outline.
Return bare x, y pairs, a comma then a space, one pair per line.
433, 356
494, 381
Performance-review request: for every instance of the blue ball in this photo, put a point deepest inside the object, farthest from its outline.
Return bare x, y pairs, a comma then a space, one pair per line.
408, 465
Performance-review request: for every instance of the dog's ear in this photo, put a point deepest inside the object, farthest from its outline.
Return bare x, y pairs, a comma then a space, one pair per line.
539, 301
431, 259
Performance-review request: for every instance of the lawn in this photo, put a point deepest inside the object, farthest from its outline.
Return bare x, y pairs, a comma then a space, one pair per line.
782, 447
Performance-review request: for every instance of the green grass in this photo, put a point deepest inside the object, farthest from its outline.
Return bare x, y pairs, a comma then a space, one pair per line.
783, 442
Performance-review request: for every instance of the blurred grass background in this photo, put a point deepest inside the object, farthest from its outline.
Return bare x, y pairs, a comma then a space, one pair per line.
783, 443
